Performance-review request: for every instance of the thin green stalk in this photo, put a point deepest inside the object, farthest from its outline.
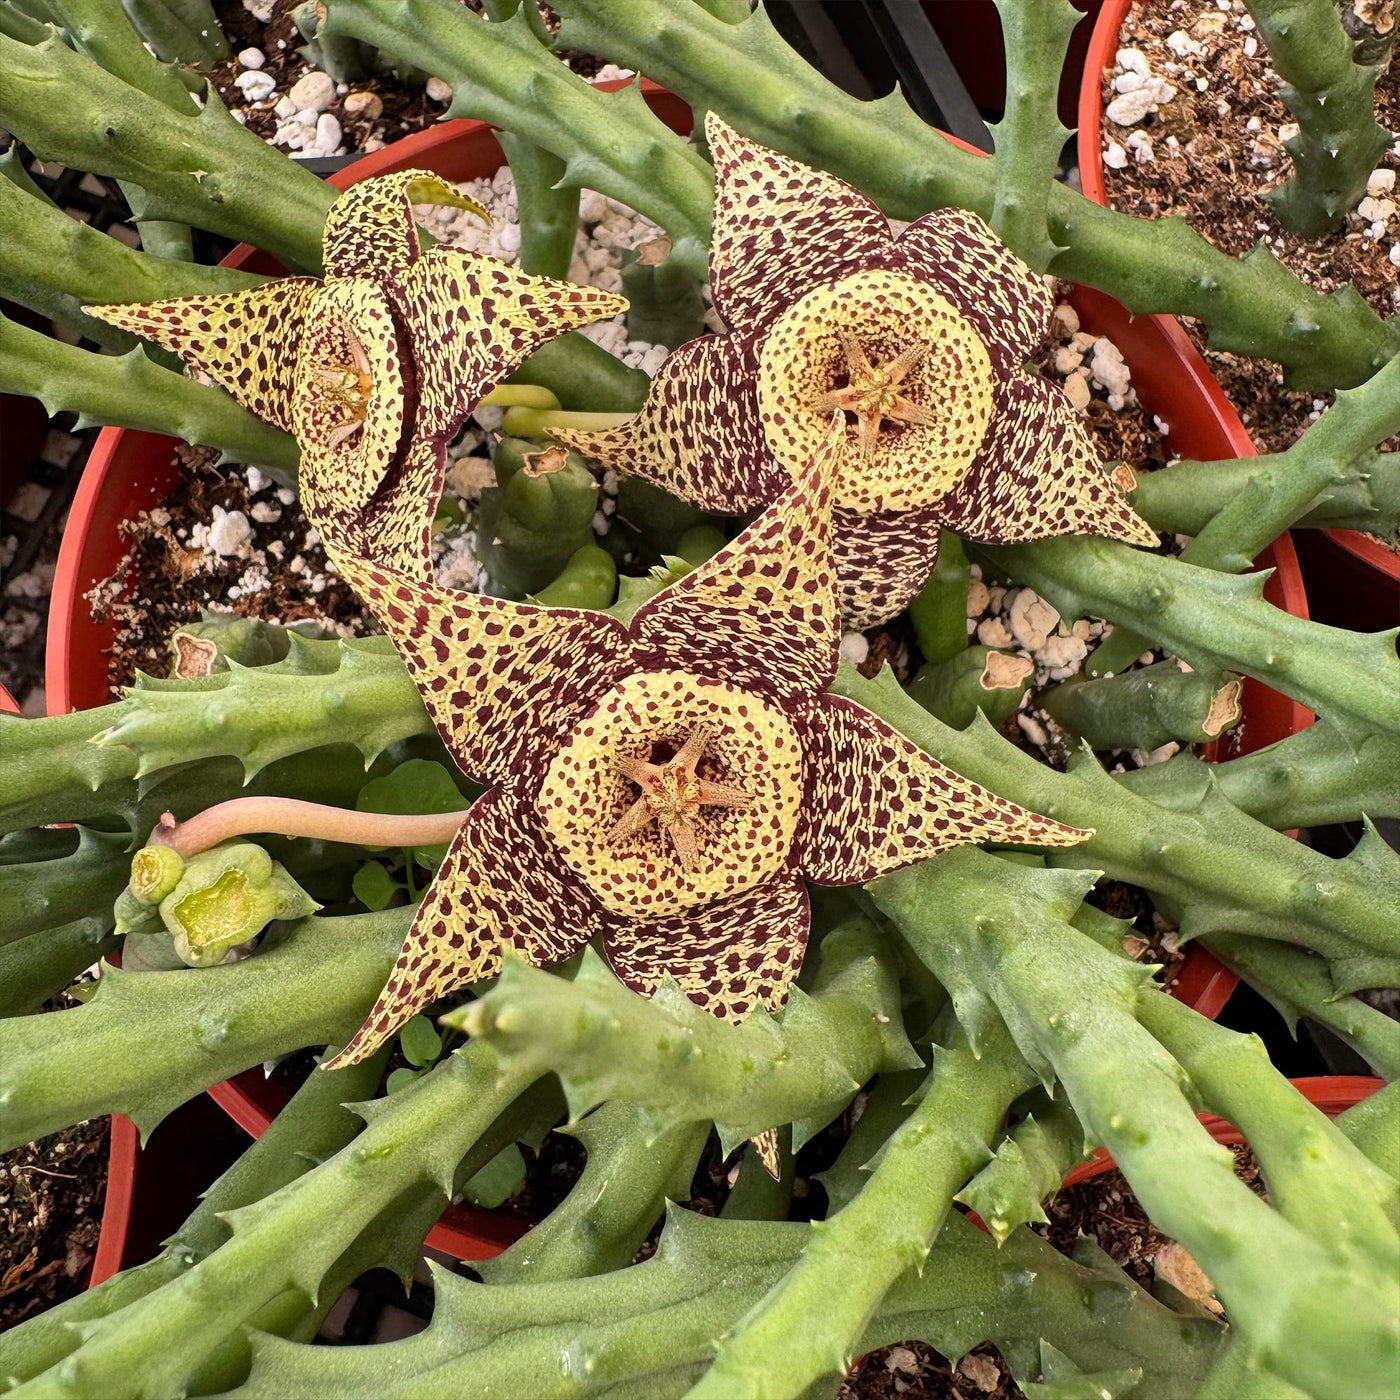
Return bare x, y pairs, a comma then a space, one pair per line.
1374, 1126
939, 610
547, 207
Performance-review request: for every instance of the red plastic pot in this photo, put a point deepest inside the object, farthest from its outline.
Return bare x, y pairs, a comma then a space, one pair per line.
1333, 1094
1358, 567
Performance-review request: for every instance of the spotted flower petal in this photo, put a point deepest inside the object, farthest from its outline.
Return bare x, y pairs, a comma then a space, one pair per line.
501, 888
472, 320
698, 434
244, 341
881, 561
1004, 298
729, 957
781, 228
503, 681
370, 229
762, 613
876, 802
1038, 476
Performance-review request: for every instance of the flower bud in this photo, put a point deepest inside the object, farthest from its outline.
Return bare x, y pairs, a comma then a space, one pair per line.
155, 871
226, 896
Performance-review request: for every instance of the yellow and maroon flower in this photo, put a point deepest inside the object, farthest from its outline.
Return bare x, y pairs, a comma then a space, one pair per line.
668, 784
374, 368
920, 340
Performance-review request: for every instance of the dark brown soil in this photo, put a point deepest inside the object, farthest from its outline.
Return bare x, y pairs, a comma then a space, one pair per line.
914, 1371
1217, 174
179, 577
51, 1198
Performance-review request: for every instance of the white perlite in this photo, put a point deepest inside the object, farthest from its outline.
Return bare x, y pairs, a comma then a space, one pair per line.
255, 86
854, 648
229, 532
251, 58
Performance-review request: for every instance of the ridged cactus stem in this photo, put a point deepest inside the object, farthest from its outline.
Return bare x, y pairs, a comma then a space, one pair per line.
977, 678
291, 1239
547, 207
33, 969
1147, 708
1228, 872
38, 895
313, 1126
1324, 1315
631, 1172
186, 32
1313, 778
130, 391
1333, 99
203, 169
286, 816
1183, 497
682, 1064
1213, 621
888, 1103
749, 74
1318, 1180
1275, 496
1374, 1126
1297, 983
150, 1040
502, 73
854, 1257
1030, 135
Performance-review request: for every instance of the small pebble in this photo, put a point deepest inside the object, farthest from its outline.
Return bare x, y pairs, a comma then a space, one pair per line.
364, 106
438, 90
1381, 182
1114, 156
313, 92
251, 58
854, 648
255, 86
229, 531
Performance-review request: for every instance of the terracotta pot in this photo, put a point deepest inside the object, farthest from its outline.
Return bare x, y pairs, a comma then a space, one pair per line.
1365, 573
1333, 1094
131, 471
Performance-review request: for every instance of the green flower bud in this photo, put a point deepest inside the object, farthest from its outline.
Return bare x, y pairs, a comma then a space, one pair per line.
155, 871
226, 896
589, 580
134, 915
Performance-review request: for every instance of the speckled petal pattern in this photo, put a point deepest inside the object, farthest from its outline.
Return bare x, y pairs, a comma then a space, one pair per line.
472, 320
1008, 303
881, 561
781, 228
370, 230
761, 614
728, 957
753, 747
244, 341
886, 313
501, 888
876, 802
504, 682
698, 435
1038, 476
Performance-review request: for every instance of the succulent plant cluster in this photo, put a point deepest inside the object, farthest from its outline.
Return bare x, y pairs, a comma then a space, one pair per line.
666, 867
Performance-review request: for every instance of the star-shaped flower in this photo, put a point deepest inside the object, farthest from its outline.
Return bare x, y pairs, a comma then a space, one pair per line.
920, 340
668, 784
374, 368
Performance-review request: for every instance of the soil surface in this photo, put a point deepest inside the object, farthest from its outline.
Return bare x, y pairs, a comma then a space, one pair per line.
51, 1197
1215, 153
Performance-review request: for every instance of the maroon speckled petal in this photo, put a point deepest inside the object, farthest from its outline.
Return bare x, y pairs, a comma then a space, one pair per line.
876, 802
698, 436
761, 614
729, 956
472, 320
244, 341
1008, 303
503, 681
1038, 475
780, 228
882, 561
501, 888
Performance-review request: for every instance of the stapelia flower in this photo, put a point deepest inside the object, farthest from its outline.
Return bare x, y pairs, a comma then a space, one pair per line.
375, 368
666, 784
920, 340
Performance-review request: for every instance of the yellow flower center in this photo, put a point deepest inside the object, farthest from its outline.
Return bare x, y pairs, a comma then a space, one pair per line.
911, 374
673, 791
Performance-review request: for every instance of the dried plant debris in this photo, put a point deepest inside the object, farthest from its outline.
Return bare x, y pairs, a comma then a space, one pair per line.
1195, 126
51, 1198
223, 542
914, 1371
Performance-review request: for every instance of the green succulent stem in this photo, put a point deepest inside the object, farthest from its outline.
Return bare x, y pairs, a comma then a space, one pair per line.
1030, 135
1147, 708
548, 208
1333, 99
939, 610
1374, 1126
32, 969
286, 816
520, 396
976, 679
186, 32
1222, 869
150, 1040
854, 1256
1323, 1314
130, 391
749, 74
42, 894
